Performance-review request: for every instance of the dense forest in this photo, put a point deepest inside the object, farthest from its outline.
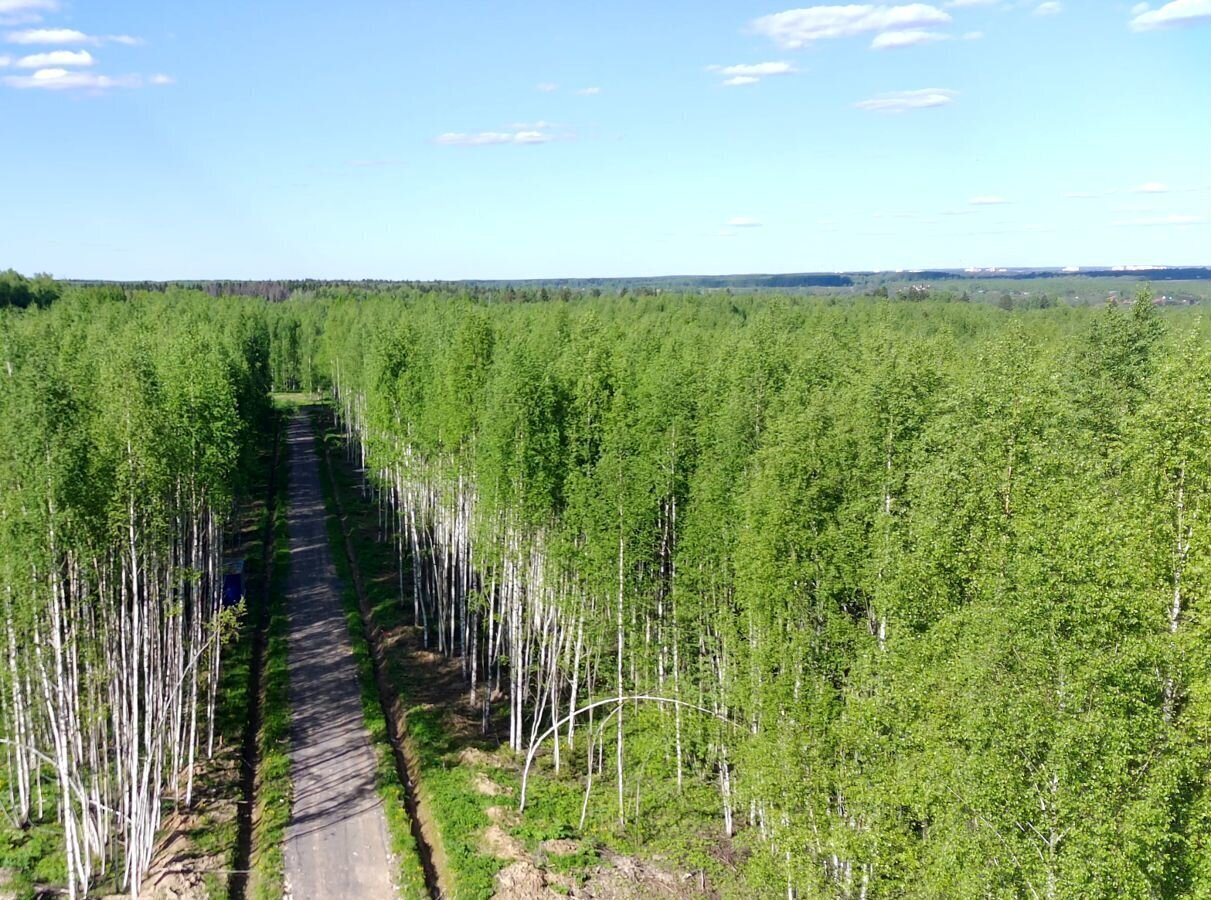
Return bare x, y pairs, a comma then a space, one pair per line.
919, 590
125, 426
897, 599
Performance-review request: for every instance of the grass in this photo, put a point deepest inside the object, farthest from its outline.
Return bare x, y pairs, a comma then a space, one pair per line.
33, 857
446, 790
410, 875
273, 792
683, 829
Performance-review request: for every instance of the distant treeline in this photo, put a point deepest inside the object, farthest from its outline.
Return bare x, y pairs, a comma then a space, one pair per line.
276, 290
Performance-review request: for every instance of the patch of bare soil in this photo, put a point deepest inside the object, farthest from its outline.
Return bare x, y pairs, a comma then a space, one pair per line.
617, 878
560, 847
178, 871
475, 757
523, 881
627, 878
486, 786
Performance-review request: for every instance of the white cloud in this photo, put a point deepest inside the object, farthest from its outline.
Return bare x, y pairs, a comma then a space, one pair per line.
546, 87
56, 58
796, 28
1171, 219
589, 91
987, 200
48, 36
1050, 8
759, 70
751, 73
161, 79
1151, 187
5, 61
1172, 15
67, 36
743, 222
487, 138
973, 36
1139, 9
25, 12
65, 80
16, 7
890, 40
902, 101
959, 4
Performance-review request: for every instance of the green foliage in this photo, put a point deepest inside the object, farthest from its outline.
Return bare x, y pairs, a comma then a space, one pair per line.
926, 552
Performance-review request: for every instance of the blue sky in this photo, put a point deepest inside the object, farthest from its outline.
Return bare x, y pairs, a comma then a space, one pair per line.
175, 139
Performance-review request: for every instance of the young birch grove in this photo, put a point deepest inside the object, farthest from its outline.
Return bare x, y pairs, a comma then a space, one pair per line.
123, 424
870, 598
916, 590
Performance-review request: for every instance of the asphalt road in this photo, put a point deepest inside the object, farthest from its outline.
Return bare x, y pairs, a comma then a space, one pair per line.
336, 842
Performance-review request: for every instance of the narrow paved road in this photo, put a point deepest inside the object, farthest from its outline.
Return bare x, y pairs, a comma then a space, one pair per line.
336, 842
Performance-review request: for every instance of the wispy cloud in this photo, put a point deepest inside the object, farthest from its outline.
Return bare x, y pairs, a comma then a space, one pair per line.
903, 101
987, 200
891, 40
589, 91
68, 36
546, 87
1050, 8
743, 222
160, 79
759, 70
751, 73
1151, 187
58, 79
959, 4
488, 138
796, 28
25, 12
15, 7
1080, 195
1172, 15
56, 58
5, 61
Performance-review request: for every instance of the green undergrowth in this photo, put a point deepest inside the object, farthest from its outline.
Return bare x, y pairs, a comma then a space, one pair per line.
267, 877
457, 810
410, 876
673, 828
34, 856
216, 835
